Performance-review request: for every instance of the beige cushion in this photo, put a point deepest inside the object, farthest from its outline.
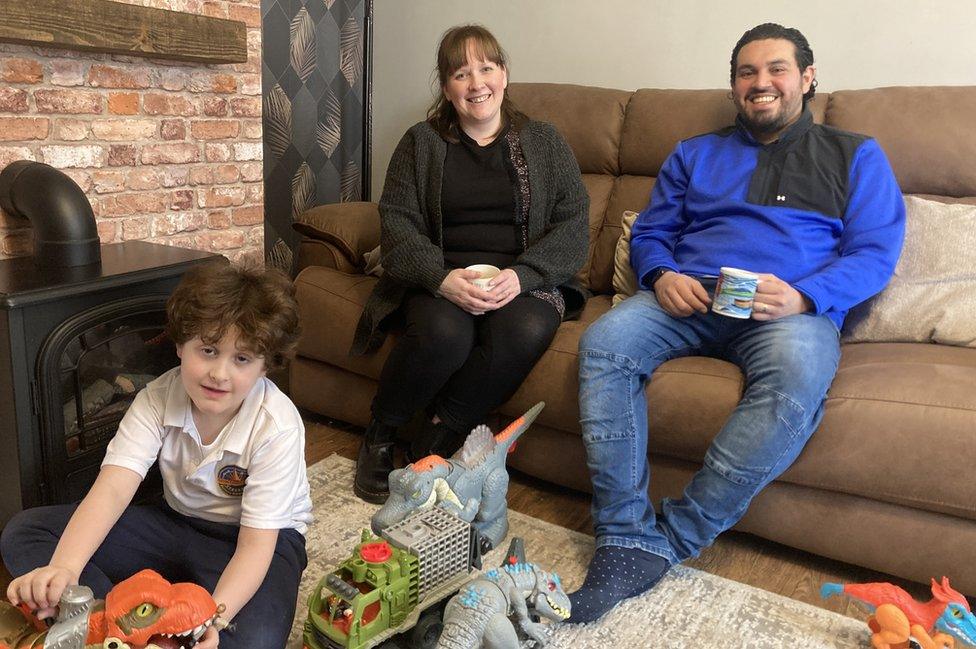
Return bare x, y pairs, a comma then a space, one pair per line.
932, 295
624, 277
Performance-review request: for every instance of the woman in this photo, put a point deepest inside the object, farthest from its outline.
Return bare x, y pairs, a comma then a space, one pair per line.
476, 183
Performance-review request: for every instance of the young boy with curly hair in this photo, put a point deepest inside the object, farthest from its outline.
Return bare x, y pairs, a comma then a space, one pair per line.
231, 450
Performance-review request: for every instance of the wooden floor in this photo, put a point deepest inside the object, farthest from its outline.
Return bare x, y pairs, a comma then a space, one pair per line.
740, 557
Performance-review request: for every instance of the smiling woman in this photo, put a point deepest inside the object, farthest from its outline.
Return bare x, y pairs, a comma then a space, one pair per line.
476, 183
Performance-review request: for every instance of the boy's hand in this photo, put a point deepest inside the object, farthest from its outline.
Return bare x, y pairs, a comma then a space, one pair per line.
41, 588
209, 640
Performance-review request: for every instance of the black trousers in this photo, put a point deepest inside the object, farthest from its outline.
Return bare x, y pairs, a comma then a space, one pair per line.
460, 366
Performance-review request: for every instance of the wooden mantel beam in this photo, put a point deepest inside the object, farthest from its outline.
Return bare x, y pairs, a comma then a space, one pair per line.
117, 28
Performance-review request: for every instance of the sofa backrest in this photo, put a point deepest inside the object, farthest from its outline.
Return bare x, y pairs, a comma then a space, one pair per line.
621, 139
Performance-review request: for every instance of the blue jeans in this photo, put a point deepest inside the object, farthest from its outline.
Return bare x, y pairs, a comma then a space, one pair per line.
788, 366
178, 547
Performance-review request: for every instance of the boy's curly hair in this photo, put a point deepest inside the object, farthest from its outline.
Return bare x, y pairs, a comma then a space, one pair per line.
215, 296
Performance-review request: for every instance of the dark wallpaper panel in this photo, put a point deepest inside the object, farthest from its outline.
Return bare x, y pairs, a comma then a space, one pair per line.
314, 94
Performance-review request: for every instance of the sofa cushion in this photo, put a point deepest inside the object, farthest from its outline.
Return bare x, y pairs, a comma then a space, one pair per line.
624, 277
926, 132
884, 396
658, 119
554, 379
330, 304
589, 118
599, 188
629, 193
932, 295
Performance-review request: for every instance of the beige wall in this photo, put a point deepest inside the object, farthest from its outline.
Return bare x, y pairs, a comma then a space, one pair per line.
663, 43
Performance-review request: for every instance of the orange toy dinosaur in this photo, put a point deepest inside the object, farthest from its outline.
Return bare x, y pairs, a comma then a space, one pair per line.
898, 619
145, 610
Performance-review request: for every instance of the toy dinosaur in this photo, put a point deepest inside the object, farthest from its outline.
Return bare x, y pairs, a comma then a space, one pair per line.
145, 610
473, 483
897, 619
480, 614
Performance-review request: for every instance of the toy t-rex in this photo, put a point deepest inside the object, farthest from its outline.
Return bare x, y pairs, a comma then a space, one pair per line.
473, 483
481, 613
897, 619
145, 610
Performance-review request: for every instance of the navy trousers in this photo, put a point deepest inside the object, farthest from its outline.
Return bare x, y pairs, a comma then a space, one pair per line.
180, 548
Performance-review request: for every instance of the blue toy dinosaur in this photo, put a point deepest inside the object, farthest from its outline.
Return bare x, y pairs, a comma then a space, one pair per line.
473, 483
481, 614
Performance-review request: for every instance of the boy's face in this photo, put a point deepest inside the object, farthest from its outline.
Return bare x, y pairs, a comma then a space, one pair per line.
217, 378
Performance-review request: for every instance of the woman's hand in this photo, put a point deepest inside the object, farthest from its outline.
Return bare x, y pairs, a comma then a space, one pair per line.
505, 287
209, 640
457, 288
41, 589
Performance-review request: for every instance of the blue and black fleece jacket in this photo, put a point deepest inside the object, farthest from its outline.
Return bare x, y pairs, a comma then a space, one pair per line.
819, 208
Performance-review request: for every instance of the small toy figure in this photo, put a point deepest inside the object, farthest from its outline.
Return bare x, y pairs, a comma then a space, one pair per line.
897, 619
145, 609
480, 615
473, 483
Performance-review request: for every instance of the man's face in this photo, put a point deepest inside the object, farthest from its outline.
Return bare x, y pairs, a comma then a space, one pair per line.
769, 86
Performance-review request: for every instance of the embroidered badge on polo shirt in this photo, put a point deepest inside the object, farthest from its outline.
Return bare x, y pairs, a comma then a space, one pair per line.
231, 479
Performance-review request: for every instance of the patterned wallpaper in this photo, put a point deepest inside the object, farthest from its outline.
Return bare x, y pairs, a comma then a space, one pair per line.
314, 96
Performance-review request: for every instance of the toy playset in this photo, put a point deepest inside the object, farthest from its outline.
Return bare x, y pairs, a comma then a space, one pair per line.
442, 514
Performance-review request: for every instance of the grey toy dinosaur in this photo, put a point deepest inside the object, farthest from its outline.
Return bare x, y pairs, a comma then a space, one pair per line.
473, 483
478, 616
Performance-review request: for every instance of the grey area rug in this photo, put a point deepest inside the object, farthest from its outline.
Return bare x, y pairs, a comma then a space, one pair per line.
688, 609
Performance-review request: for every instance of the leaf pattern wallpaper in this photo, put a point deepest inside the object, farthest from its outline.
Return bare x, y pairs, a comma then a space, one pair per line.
314, 85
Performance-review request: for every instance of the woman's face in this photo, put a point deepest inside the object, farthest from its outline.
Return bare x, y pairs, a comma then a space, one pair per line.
476, 90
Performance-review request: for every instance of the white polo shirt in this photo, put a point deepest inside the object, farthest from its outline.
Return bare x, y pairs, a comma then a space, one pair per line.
253, 474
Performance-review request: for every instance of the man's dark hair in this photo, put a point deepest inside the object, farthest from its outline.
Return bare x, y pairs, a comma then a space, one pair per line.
801, 49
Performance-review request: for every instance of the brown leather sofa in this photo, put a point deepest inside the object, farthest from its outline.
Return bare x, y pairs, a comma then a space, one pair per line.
886, 482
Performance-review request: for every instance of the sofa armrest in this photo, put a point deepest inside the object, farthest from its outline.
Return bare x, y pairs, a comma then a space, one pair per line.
353, 229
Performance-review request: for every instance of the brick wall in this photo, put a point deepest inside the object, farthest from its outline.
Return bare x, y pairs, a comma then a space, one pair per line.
167, 152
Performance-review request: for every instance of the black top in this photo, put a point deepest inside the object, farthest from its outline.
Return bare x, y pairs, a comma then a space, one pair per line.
478, 204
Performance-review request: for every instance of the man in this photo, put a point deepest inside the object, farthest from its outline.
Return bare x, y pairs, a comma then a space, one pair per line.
817, 214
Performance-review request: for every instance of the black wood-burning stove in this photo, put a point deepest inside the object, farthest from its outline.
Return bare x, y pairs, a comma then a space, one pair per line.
76, 344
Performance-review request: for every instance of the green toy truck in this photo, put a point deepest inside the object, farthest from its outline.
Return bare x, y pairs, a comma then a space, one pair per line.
393, 584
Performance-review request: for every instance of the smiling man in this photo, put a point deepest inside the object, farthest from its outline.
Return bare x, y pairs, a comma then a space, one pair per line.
816, 213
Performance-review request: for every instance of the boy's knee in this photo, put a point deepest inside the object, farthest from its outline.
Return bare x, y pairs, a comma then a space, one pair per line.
13, 533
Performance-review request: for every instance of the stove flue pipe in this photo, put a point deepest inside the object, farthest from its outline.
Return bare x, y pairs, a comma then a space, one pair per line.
62, 218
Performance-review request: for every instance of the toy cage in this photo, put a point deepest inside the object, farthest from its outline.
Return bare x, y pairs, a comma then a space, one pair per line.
441, 542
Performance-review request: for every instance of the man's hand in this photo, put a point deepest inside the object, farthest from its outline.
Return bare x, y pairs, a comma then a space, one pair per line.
41, 589
457, 288
681, 295
776, 299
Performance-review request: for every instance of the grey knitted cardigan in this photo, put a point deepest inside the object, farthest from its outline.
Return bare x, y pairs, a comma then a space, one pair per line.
410, 223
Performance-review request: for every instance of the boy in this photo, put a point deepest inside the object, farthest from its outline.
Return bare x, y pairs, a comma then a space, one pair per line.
231, 450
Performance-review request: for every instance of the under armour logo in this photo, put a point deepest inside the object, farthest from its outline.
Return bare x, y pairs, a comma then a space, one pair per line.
780, 197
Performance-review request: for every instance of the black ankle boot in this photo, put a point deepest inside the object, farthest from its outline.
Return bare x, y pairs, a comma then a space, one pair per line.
434, 439
374, 463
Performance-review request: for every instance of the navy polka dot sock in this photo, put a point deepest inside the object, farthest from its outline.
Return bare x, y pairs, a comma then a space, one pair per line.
615, 573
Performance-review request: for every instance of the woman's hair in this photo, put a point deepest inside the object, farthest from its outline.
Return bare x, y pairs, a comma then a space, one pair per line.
452, 53
214, 297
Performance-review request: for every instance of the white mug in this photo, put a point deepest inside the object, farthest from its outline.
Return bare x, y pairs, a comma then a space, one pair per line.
488, 272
